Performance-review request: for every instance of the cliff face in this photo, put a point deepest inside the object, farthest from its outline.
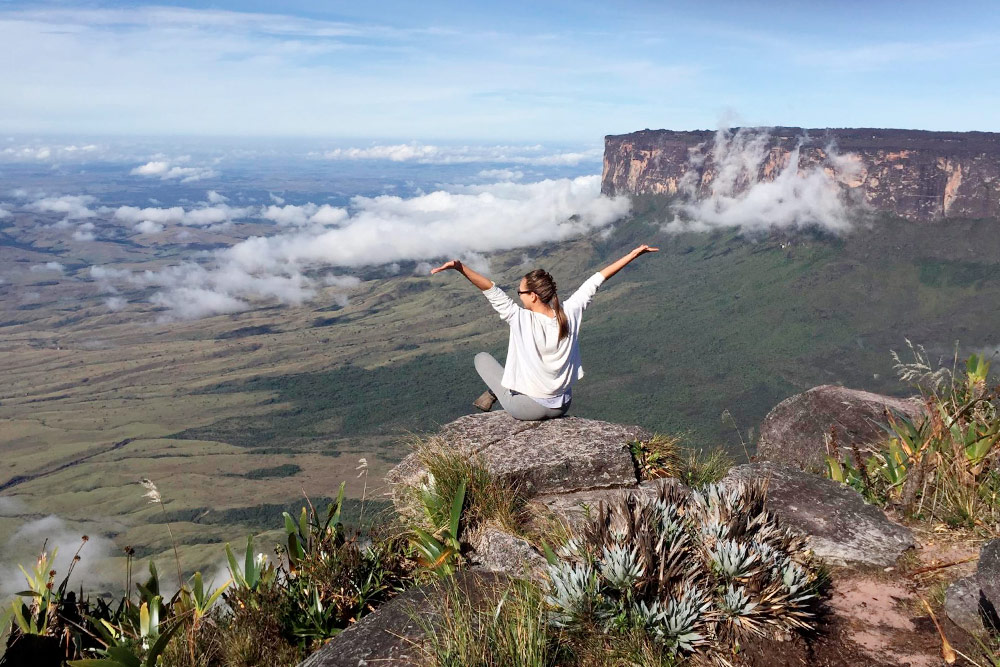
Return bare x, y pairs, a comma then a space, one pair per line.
915, 174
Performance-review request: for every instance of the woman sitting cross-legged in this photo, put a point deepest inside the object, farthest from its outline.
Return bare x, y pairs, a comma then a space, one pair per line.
543, 356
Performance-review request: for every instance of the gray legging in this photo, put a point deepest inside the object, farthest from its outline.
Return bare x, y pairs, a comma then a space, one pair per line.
517, 406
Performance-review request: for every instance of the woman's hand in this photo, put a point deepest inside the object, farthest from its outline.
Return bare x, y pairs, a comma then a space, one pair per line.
453, 264
480, 281
643, 249
612, 269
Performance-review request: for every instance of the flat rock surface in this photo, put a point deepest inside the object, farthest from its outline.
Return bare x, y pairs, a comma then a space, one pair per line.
495, 550
842, 528
552, 456
574, 508
794, 431
392, 634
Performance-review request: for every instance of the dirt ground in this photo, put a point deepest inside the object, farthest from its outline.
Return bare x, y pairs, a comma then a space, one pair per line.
876, 618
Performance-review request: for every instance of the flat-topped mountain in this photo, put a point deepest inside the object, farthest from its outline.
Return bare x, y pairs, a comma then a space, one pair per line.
915, 174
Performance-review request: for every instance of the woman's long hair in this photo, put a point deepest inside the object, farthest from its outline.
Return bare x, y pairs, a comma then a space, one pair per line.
541, 283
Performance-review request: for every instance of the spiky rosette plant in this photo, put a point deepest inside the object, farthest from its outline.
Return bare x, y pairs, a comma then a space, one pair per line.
697, 571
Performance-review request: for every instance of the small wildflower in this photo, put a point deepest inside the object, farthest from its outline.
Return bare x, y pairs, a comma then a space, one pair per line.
49, 585
76, 557
362, 466
52, 573
86, 538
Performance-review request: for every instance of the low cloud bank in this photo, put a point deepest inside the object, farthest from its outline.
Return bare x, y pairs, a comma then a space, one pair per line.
24, 545
165, 171
431, 154
796, 197
291, 265
73, 207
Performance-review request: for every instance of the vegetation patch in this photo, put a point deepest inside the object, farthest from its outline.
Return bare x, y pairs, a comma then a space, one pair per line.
690, 572
284, 470
946, 467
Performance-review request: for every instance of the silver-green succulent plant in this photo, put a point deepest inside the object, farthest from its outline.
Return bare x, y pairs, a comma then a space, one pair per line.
697, 570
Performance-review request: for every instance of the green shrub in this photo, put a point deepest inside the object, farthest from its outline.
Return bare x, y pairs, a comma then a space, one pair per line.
324, 579
284, 470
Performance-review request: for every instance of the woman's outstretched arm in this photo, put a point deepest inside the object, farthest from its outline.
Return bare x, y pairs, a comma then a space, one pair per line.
612, 269
477, 279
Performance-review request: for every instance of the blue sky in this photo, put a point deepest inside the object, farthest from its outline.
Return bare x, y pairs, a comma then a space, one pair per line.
517, 71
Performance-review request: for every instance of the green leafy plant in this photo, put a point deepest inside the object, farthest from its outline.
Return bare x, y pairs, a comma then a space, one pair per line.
440, 551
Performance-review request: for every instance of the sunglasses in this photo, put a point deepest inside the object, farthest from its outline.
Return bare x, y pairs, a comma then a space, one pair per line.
527, 291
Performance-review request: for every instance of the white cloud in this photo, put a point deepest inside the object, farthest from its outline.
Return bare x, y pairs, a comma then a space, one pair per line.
85, 232
276, 199
307, 214
431, 154
465, 223
422, 269
195, 302
215, 198
502, 174
341, 281
168, 171
12, 506
798, 195
26, 542
201, 216
42, 153
115, 303
4, 213
73, 207
49, 266
148, 227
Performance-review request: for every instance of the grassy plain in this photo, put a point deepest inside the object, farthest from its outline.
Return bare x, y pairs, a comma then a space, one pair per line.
91, 400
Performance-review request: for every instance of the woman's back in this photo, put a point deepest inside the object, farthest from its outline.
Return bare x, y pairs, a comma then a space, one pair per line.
539, 363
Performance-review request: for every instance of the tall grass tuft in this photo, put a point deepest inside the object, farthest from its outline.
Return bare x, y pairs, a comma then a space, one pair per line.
487, 498
507, 626
700, 467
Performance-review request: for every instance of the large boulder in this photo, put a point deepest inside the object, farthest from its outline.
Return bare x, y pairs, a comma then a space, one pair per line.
393, 634
988, 578
961, 604
795, 431
841, 527
552, 456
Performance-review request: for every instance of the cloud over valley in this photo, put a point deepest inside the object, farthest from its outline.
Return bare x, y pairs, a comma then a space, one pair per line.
313, 242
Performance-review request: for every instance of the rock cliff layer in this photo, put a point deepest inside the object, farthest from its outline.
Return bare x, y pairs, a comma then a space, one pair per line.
915, 174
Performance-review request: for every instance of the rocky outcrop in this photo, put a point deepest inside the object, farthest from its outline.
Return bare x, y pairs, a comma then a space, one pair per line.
972, 602
795, 432
914, 174
988, 578
961, 604
840, 527
495, 550
553, 456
